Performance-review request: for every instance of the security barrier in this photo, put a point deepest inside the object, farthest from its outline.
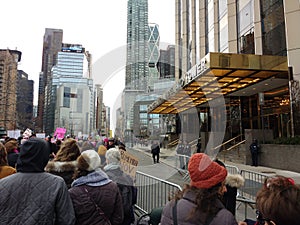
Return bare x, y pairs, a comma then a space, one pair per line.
247, 193
153, 192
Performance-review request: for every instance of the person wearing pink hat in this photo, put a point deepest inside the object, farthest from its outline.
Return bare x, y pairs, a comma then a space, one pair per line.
199, 202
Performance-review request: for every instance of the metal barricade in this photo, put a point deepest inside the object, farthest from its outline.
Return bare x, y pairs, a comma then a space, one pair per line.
232, 169
153, 192
247, 193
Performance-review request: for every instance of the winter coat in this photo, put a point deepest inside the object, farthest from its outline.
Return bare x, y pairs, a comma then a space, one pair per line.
12, 159
62, 169
233, 182
32, 196
185, 207
6, 171
126, 188
155, 149
104, 193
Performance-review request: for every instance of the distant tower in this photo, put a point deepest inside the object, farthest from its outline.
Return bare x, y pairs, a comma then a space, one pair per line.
8, 91
137, 69
137, 61
71, 104
153, 49
51, 46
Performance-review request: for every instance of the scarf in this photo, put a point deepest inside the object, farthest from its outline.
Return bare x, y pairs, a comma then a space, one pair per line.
94, 179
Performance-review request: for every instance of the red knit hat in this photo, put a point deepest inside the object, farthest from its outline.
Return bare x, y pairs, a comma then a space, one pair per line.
205, 173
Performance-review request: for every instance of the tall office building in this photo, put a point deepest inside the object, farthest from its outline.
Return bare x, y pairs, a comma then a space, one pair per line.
24, 101
137, 45
51, 46
166, 63
137, 61
246, 51
8, 87
153, 49
72, 99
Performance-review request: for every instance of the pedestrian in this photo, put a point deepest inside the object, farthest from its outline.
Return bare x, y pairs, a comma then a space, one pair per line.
199, 202
187, 153
124, 182
180, 152
33, 196
95, 197
254, 149
111, 143
11, 147
102, 151
5, 169
232, 182
155, 150
278, 202
64, 164
199, 145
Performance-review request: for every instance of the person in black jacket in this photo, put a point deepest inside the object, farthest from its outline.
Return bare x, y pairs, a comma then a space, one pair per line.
232, 182
254, 149
155, 150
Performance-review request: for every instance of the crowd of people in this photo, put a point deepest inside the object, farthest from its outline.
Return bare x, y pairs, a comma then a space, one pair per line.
65, 182
74, 182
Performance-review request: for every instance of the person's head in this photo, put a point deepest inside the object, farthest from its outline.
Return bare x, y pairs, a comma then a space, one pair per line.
34, 156
69, 151
89, 160
111, 141
205, 173
86, 145
278, 202
11, 145
3, 155
113, 155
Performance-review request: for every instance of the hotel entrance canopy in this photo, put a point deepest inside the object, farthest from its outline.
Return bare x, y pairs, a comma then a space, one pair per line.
223, 74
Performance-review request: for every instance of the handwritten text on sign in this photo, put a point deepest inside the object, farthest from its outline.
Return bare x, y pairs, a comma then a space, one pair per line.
129, 163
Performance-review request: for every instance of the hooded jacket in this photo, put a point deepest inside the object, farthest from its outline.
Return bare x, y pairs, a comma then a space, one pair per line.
184, 217
233, 183
32, 196
62, 169
103, 192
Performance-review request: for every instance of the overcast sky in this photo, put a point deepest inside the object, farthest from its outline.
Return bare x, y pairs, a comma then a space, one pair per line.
99, 25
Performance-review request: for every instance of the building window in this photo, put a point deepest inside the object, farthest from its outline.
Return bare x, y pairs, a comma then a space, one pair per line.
273, 27
246, 43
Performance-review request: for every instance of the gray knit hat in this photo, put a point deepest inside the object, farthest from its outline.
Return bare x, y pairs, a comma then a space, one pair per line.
113, 155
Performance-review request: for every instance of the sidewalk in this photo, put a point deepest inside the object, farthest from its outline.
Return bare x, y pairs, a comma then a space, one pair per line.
167, 157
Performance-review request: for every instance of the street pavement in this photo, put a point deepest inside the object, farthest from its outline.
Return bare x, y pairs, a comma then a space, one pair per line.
167, 170
168, 156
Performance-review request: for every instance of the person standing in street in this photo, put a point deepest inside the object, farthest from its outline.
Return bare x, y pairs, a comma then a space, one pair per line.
254, 149
33, 196
155, 150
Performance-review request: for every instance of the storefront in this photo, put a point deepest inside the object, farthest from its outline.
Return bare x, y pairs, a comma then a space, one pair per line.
230, 93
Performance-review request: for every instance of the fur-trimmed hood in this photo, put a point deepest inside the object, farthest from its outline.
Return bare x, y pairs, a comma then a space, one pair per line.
234, 180
57, 166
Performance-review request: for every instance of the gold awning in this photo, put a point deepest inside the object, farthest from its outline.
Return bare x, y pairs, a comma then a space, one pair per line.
222, 74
